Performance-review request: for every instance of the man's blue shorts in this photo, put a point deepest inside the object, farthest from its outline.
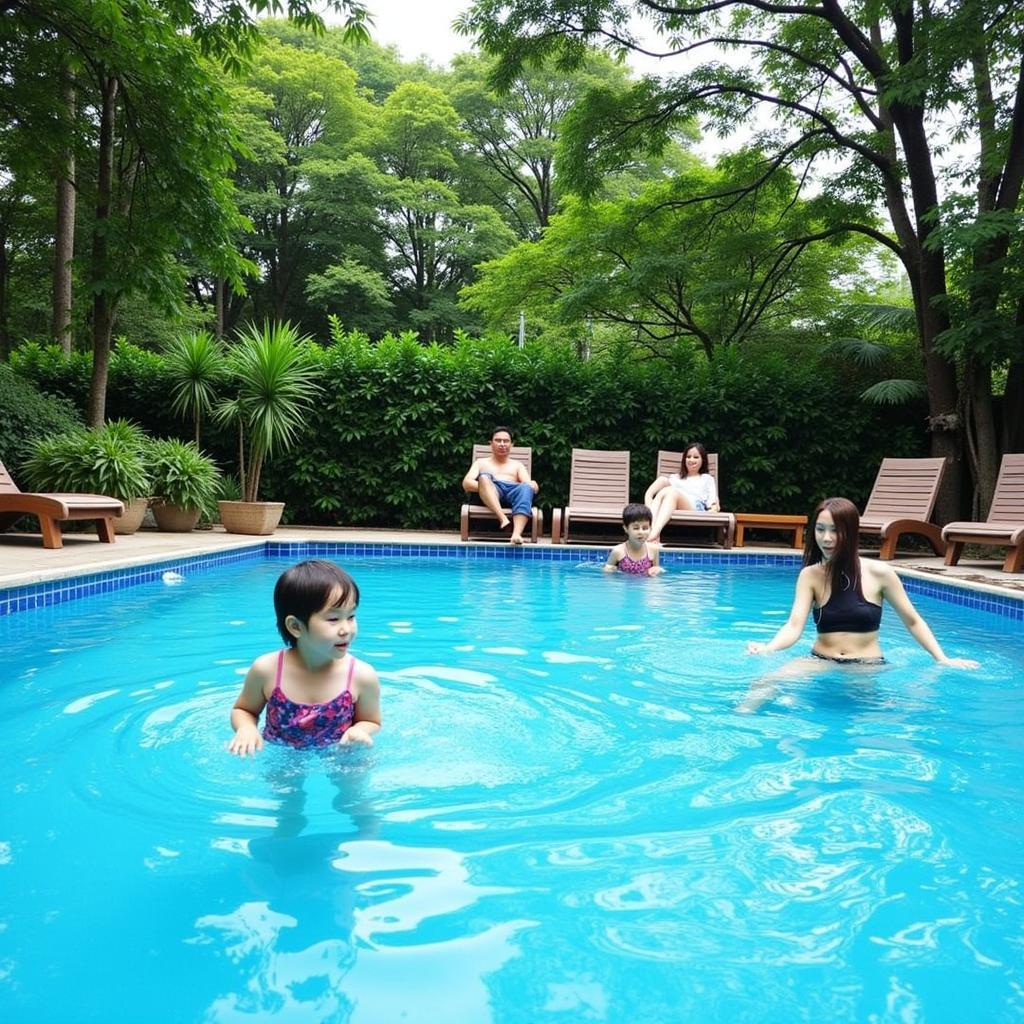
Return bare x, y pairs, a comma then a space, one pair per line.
518, 497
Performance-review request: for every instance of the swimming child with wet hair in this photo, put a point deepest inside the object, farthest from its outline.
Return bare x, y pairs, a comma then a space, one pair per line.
635, 556
316, 693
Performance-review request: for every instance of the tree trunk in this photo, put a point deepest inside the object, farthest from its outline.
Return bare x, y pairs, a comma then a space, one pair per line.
104, 301
64, 234
1013, 409
944, 422
218, 305
980, 429
5, 279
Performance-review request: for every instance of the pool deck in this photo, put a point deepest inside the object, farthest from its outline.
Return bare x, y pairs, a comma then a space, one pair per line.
24, 561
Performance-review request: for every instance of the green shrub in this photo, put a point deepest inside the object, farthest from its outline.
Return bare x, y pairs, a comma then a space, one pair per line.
183, 476
389, 439
26, 414
111, 460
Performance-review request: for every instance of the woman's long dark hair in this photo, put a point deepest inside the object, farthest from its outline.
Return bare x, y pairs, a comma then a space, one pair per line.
845, 559
703, 458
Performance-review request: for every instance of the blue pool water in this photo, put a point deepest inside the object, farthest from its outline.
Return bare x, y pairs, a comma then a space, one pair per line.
564, 818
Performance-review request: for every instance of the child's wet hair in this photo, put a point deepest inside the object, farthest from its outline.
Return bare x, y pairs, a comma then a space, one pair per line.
309, 587
636, 513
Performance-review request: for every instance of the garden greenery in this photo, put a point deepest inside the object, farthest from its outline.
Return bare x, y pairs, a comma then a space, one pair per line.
26, 414
389, 439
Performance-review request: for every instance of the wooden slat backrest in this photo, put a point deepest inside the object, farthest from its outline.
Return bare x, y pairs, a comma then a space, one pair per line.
7, 485
520, 453
1008, 500
670, 462
600, 479
905, 489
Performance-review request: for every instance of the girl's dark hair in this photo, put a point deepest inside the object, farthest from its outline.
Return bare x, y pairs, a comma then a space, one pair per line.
846, 556
307, 588
636, 513
703, 458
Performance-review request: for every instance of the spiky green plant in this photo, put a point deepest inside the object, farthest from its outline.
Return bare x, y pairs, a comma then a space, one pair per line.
197, 368
275, 386
108, 460
183, 475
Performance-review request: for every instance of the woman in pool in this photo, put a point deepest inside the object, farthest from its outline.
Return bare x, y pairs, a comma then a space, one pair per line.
845, 594
315, 692
692, 489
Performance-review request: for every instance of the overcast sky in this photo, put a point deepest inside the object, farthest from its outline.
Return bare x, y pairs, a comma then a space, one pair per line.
423, 27
419, 27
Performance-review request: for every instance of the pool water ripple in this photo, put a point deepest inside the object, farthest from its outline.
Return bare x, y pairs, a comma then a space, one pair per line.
564, 818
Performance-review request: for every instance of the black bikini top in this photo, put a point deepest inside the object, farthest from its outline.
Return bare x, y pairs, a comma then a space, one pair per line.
847, 610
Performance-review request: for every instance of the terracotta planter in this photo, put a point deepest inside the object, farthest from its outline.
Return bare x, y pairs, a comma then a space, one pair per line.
131, 519
256, 518
172, 519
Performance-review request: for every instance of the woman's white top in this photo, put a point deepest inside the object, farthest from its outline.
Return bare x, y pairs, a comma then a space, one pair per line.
698, 488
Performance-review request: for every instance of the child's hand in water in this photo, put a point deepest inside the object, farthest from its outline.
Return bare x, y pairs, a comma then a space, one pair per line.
247, 740
358, 734
756, 647
961, 662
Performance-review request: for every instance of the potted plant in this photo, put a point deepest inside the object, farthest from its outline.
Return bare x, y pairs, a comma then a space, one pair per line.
108, 460
184, 484
274, 387
196, 368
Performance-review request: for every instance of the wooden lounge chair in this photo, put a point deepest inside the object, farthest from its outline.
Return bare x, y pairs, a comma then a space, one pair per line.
52, 509
1005, 523
473, 513
723, 523
902, 501
598, 491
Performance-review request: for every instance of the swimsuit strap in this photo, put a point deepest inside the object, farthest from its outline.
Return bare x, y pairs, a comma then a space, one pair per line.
280, 666
348, 681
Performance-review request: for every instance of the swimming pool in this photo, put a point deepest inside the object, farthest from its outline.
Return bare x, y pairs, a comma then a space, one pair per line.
564, 819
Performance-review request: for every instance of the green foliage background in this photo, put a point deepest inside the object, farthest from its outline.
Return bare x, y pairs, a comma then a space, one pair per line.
25, 414
390, 441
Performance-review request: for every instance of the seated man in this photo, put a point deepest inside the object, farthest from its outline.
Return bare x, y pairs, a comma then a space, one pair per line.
500, 480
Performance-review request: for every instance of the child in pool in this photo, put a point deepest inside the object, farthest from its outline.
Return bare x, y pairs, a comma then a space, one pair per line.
315, 692
636, 555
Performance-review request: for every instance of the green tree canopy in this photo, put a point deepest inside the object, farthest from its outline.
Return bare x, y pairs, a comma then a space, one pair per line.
863, 101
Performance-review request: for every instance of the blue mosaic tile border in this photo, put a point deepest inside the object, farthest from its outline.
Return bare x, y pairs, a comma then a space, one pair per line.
528, 552
40, 595
1000, 604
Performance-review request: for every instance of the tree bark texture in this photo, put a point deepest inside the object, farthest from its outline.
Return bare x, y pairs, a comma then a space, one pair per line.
103, 301
64, 235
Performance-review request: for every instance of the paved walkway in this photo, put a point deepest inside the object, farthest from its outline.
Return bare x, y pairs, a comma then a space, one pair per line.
23, 559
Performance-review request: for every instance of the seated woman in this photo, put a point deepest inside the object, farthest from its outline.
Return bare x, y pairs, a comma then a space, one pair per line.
844, 592
692, 489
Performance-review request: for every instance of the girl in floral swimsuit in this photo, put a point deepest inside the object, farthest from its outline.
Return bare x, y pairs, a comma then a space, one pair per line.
315, 692
635, 556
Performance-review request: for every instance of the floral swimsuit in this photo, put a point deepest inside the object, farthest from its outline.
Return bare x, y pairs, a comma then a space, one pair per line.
636, 566
308, 725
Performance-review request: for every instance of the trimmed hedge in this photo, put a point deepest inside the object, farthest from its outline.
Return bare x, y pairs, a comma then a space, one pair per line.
26, 414
390, 440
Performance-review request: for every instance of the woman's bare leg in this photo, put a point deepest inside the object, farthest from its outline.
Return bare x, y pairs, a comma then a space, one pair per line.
666, 501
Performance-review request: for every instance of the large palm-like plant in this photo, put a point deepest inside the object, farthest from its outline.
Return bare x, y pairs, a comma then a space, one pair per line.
196, 365
274, 383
